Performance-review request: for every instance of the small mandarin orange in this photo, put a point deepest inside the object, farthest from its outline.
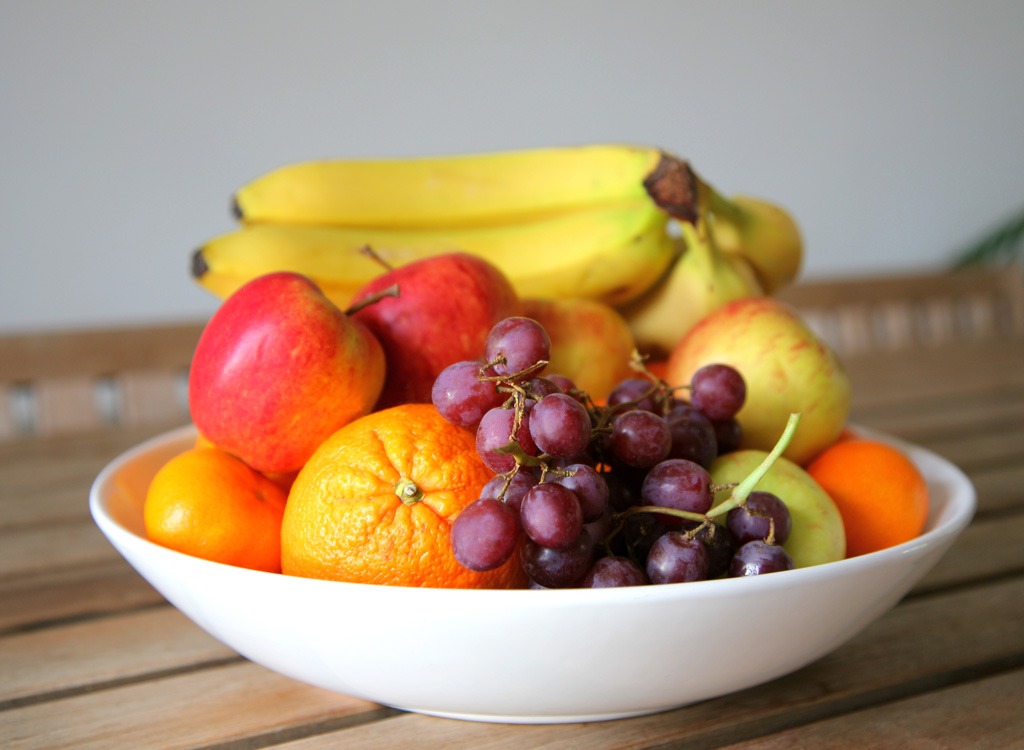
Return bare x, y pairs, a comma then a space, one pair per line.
209, 504
880, 493
376, 502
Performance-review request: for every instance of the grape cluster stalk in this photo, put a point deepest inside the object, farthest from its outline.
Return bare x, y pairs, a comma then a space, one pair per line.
606, 495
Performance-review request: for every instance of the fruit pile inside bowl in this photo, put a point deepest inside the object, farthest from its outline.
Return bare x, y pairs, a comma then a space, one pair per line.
453, 451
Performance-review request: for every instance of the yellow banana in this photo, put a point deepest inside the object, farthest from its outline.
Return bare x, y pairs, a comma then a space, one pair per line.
611, 253
446, 191
764, 233
701, 280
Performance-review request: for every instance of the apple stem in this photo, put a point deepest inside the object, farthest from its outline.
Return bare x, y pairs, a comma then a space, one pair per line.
370, 253
390, 291
744, 488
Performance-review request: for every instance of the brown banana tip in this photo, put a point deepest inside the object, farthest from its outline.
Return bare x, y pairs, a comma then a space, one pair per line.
199, 266
236, 209
672, 186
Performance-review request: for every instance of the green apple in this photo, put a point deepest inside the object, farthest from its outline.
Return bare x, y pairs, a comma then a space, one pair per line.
787, 369
817, 534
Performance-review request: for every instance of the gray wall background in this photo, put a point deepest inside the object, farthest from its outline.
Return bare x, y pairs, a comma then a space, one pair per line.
893, 131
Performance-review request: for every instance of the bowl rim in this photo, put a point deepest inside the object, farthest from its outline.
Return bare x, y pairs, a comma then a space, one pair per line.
945, 521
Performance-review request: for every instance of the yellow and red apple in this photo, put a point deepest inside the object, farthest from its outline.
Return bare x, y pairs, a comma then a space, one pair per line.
278, 369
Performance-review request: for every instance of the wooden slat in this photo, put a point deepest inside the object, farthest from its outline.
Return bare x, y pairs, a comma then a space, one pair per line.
958, 717
9, 426
74, 381
66, 404
26, 357
199, 708
923, 419
989, 548
46, 480
999, 488
68, 594
151, 397
102, 651
42, 548
912, 311
902, 383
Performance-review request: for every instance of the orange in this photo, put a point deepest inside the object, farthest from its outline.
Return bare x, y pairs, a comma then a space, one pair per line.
207, 503
376, 501
880, 493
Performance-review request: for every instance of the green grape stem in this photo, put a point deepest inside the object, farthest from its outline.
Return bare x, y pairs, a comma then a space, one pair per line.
743, 489
737, 498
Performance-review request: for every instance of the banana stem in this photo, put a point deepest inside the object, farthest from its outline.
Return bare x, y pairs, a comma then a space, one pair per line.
719, 205
673, 186
700, 241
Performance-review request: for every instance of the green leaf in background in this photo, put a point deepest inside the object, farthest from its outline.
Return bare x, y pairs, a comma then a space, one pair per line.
1002, 245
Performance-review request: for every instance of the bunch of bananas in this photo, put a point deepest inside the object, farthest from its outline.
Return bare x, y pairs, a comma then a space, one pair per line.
631, 226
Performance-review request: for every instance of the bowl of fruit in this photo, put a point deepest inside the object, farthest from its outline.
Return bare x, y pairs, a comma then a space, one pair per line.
537, 656
450, 483
515, 551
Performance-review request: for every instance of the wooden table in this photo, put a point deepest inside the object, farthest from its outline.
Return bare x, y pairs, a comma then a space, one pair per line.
91, 656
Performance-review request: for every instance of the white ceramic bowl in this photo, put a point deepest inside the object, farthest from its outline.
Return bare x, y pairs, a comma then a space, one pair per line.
529, 656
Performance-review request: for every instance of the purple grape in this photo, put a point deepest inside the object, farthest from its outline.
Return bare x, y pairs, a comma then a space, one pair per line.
538, 388
693, 435
720, 548
599, 528
718, 391
558, 568
495, 431
758, 558
589, 486
761, 514
676, 558
612, 572
728, 435
461, 397
679, 484
560, 426
551, 515
565, 383
622, 493
515, 344
631, 390
639, 439
520, 482
640, 532
485, 534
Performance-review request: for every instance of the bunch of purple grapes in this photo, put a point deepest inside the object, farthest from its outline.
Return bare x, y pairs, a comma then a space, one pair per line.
602, 495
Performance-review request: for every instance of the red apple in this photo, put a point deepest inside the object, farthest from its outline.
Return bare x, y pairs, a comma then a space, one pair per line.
445, 307
278, 369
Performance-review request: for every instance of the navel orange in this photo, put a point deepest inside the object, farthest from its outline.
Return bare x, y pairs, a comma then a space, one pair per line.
376, 502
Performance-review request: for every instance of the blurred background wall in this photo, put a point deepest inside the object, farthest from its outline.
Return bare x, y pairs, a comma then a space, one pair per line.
893, 131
